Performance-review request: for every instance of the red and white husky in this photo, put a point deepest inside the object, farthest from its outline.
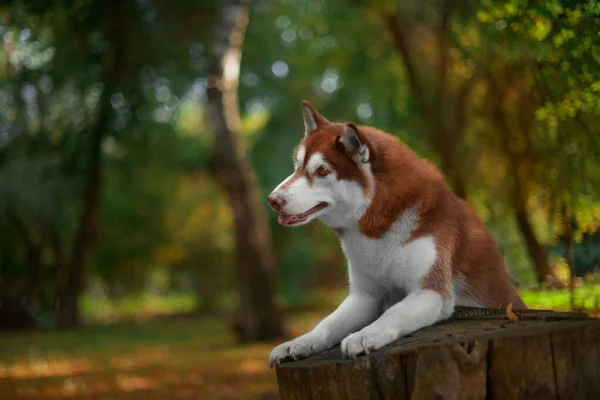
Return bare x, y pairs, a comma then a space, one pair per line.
414, 249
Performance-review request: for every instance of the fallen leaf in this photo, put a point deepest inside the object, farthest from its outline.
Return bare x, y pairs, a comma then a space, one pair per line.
511, 315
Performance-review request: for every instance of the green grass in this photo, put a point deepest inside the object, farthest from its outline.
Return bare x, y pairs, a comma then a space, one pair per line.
135, 307
586, 297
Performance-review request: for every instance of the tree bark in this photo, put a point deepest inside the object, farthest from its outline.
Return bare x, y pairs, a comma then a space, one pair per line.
544, 355
258, 317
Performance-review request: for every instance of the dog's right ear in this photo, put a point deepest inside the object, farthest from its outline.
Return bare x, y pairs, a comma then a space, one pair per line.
312, 119
355, 144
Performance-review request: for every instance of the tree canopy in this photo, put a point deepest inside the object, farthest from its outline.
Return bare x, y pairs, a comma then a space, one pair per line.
107, 163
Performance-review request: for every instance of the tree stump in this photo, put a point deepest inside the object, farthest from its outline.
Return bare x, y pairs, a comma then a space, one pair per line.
544, 355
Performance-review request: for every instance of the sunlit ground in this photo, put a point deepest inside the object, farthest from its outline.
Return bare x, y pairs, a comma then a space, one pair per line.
167, 358
184, 358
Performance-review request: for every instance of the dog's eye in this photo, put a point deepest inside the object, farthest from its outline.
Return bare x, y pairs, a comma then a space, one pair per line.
322, 171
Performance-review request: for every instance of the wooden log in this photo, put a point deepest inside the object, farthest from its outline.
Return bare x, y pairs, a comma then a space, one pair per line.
544, 355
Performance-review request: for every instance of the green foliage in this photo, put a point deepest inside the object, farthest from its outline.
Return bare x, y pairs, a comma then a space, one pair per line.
162, 212
586, 256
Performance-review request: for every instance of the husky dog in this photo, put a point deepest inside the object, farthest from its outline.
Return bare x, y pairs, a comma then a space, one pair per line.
414, 249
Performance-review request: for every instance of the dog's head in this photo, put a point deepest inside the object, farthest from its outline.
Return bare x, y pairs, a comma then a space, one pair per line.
332, 177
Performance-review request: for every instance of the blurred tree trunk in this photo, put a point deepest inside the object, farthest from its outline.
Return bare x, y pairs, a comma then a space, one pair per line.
568, 238
33, 255
258, 317
13, 316
34, 261
537, 252
519, 166
441, 110
70, 289
72, 284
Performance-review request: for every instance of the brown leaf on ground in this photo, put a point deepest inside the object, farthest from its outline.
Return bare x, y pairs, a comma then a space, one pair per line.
511, 315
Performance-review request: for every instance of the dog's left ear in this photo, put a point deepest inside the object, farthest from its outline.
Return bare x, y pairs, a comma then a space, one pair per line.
312, 119
354, 145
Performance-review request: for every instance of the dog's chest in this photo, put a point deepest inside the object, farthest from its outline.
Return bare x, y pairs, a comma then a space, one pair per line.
390, 263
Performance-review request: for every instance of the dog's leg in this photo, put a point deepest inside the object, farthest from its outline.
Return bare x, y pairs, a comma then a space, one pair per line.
421, 308
355, 312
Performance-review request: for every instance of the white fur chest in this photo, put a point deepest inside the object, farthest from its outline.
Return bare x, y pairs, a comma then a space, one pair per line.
389, 267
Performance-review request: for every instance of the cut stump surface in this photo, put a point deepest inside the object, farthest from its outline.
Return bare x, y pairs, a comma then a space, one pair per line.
544, 355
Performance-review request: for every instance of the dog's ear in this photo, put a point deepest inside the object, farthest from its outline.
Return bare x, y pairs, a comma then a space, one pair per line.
354, 144
312, 119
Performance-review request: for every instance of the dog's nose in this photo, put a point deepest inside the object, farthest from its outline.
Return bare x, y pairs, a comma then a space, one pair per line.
277, 202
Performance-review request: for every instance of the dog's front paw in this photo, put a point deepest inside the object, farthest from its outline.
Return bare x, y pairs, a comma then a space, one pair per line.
295, 350
365, 341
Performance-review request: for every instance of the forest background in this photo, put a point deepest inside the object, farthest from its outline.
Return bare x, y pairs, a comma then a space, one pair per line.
138, 141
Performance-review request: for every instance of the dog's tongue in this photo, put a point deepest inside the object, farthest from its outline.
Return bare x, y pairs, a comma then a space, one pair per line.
285, 219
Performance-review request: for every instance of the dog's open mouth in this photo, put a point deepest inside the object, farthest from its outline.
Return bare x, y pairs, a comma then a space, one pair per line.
285, 219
